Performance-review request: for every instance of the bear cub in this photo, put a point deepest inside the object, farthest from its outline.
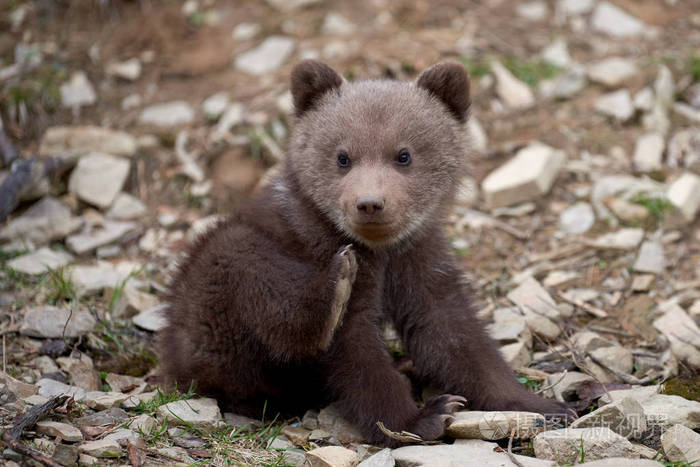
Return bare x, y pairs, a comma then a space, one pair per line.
280, 305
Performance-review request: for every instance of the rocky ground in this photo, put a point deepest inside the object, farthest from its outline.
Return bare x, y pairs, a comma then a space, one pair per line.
139, 123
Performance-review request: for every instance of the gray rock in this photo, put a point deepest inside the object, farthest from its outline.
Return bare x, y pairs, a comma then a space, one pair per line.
464, 453
625, 417
644, 99
533, 11
660, 409
336, 24
90, 279
332, 456
557, 54
623, 239
514, 93
611, 20
332, 422
684, 193
612, 71
47, 220
152, 319
126, 207
530, 296
614, 357
577, 219
66, 454
564, 386
102, 448
575, 7
98, 178
565, 445
681, 444
214, 105
124, 435
682, 333
555, 278
245, 31
565, 86
651, 258
381, 459
239, 422
63, 430
95, 235
623, 462
478, 139
143, 424
103, 418
201, 413
168, 114
648, 152
516, 355
77, 91
617, 105
49, 322
52, 388
495, 425
132, 301
266, 57
99, 400
528, 175
687, 112
71, 142
291, 5
39, 261
684, 150
129, 70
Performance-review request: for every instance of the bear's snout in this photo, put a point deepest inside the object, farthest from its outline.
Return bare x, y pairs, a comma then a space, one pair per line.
368, 206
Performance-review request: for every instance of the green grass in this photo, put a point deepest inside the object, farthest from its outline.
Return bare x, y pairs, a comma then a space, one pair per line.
657, 206
60, 285
475, 67
531, 72
119, 289
162, 398
529, 383
694, 67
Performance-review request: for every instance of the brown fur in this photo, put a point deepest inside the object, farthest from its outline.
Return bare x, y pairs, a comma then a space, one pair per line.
274, 306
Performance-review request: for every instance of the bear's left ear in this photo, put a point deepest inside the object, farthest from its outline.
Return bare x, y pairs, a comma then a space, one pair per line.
311, 80
448, 82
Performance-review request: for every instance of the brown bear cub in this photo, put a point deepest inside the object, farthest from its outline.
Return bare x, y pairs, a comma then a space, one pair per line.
280, 305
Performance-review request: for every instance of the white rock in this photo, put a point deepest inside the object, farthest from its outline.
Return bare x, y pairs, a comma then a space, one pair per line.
99, 400
98, 178
684, 193
614, 357
332, 456
168, 114
625, 417
683, 333
381, 459
565, 445
71, 142
555, 278
681, 444
98, 234
478, 140
612, 71
564, 386
291, 5
495, 425
644, 99
129, 70
200, 413
581, 295
616, 104
49, 322
623, 239
660, 409
232, 116
78, 91
651, 258
530, 296
577, 219
39, 261
63, 430
513, 92
516, 355
214, 105
684, 150
151, 320
575, 7
90, 279
337, 24
132, 301
648, 152
622, 462
664, 87
464, 453
564, 86
557, 54
246, 31
611, 20
533, 11
266, 57
126, 207
52, 388
143, 424
102, 448
687, 111
46, 220
528, 175
123, 435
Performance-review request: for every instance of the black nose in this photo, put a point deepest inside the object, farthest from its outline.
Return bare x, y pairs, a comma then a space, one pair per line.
369, 204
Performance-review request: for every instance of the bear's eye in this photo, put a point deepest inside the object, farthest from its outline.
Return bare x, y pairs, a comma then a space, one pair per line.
343, 160
403, 158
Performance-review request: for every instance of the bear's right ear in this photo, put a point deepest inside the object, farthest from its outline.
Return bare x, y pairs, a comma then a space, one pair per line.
448, 81
310, 80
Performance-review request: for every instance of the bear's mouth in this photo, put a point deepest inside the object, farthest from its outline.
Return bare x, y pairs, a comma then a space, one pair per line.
374, 231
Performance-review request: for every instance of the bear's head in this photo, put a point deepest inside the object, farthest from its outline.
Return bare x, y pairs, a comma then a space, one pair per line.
380, 158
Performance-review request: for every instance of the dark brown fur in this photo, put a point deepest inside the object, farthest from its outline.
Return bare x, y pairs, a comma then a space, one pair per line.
254, 315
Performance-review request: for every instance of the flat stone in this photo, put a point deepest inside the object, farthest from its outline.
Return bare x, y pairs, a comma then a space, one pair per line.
681, 444
214, 105
660, 409
528, 175
683, 333
648, 152
201, 413
555, 278
39, 261
464, 453
151, 320
292, 5
530, 296
132, 301
564, 386
45, 221
495, 425
266, 57
102, 448
615, 357
95, 235
63, 430
240, 422
99, 400
382, 458
617, 104
332, 422
622, 462
564, 86
516, 355
143, 424
577, 219
296, 434
684, 149
565, 445
557, 53
644, 99
532, 11
129, 70
70, 142
98, 178
66, 454
103, 418
19, 388
82, 372
514, 93
90, 279
134, 401
245, 31
642, 282
168, 114
627, 211
575, 7
336, 24
613, 21
509, 327
48, 321
623, 239
77, 91
332, 456
612, 71
684, 193
651, 258
52, 388
625, 417
126, 207
123, 436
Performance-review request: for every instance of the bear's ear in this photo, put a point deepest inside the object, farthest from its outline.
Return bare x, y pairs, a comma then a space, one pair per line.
448, 82
310, 80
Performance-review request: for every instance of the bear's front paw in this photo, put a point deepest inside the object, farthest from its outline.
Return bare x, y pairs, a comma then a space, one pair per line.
437, 414
343, 273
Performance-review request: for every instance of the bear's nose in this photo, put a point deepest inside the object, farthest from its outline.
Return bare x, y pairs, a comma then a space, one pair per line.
369, 204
